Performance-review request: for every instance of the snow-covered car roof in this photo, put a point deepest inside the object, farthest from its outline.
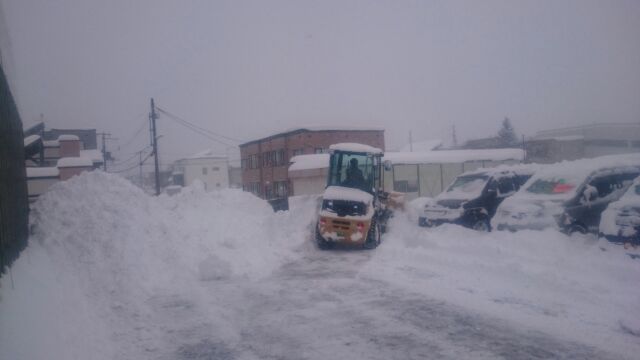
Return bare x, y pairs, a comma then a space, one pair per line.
575, 173
517, 169
355, 147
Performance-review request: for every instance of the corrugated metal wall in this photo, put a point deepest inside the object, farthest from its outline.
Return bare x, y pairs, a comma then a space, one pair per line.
14, 203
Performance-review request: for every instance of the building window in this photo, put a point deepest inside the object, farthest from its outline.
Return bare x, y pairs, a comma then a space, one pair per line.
279, 157
319, 151
405, 186
298, 152
204, 171
253, 161
268, 191
281, 189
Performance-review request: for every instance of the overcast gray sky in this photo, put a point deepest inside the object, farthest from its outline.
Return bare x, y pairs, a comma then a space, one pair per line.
248, 68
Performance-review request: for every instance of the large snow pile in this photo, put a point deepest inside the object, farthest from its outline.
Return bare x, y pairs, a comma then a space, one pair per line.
102, 250
578, 288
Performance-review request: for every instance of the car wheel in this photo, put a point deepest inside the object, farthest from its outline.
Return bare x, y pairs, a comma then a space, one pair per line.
481, 225
373, 237
577, 228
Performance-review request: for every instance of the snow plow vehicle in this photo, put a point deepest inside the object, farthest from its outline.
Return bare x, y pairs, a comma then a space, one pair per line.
355, 208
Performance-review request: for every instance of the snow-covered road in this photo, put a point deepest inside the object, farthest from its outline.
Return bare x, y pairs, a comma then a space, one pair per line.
318, 307
111, 273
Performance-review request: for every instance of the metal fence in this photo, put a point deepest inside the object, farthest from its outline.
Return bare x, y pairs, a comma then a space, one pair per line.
14, 205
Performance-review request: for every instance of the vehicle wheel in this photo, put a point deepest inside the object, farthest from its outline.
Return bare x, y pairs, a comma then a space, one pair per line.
322, 243
373, 237
481, 225
577, 228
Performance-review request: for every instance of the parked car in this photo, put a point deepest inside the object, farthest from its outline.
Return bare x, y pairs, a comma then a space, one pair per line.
620, 222
473, 197
569, 195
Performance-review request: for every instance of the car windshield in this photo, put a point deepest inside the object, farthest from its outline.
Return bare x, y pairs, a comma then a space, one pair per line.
551, 186
466, 187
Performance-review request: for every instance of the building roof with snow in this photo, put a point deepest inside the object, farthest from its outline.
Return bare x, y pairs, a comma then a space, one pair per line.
74, 162
93, 154
311, 161
454, 156
356, 148
42, 172
422, 146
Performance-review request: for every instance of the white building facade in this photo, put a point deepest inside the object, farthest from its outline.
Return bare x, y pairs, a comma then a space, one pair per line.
211, 169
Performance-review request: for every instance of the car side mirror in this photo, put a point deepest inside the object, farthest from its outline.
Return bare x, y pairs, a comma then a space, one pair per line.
387, 165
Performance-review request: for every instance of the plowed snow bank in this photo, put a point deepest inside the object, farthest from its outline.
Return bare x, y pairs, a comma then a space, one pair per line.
101, 249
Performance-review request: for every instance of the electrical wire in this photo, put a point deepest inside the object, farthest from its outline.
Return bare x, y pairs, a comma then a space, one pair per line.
200, 130
134, 166
136, 133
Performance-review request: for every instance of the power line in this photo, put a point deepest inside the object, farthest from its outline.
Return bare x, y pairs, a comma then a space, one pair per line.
200, 130
136, 133
141, 163
116, 164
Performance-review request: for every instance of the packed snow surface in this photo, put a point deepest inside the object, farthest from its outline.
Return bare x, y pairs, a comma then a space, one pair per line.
112, 273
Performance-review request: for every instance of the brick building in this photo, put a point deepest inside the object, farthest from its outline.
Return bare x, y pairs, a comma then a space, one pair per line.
265, 161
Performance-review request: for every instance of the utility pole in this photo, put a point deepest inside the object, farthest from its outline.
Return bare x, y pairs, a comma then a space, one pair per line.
154, 137
105, 137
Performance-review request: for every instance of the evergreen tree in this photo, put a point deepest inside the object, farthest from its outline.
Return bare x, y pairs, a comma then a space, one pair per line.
506, 135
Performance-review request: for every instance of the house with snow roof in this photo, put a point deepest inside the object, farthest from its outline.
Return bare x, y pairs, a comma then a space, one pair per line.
206, 166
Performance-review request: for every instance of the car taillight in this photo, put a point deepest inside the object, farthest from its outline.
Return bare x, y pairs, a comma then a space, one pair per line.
360, 226
323, 222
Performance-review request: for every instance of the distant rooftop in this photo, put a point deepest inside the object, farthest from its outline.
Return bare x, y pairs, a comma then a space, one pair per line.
597, 131
294, 130
205, 154
422, 146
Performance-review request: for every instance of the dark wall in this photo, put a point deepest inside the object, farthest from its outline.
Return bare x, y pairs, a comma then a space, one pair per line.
14, 203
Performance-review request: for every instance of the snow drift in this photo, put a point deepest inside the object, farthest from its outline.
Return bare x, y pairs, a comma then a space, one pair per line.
101, 249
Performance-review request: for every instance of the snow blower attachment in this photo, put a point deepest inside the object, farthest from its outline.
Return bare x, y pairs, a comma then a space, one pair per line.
355, 207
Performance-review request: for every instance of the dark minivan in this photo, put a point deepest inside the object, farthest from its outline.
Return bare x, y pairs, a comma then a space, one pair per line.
473, 197
582, 213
